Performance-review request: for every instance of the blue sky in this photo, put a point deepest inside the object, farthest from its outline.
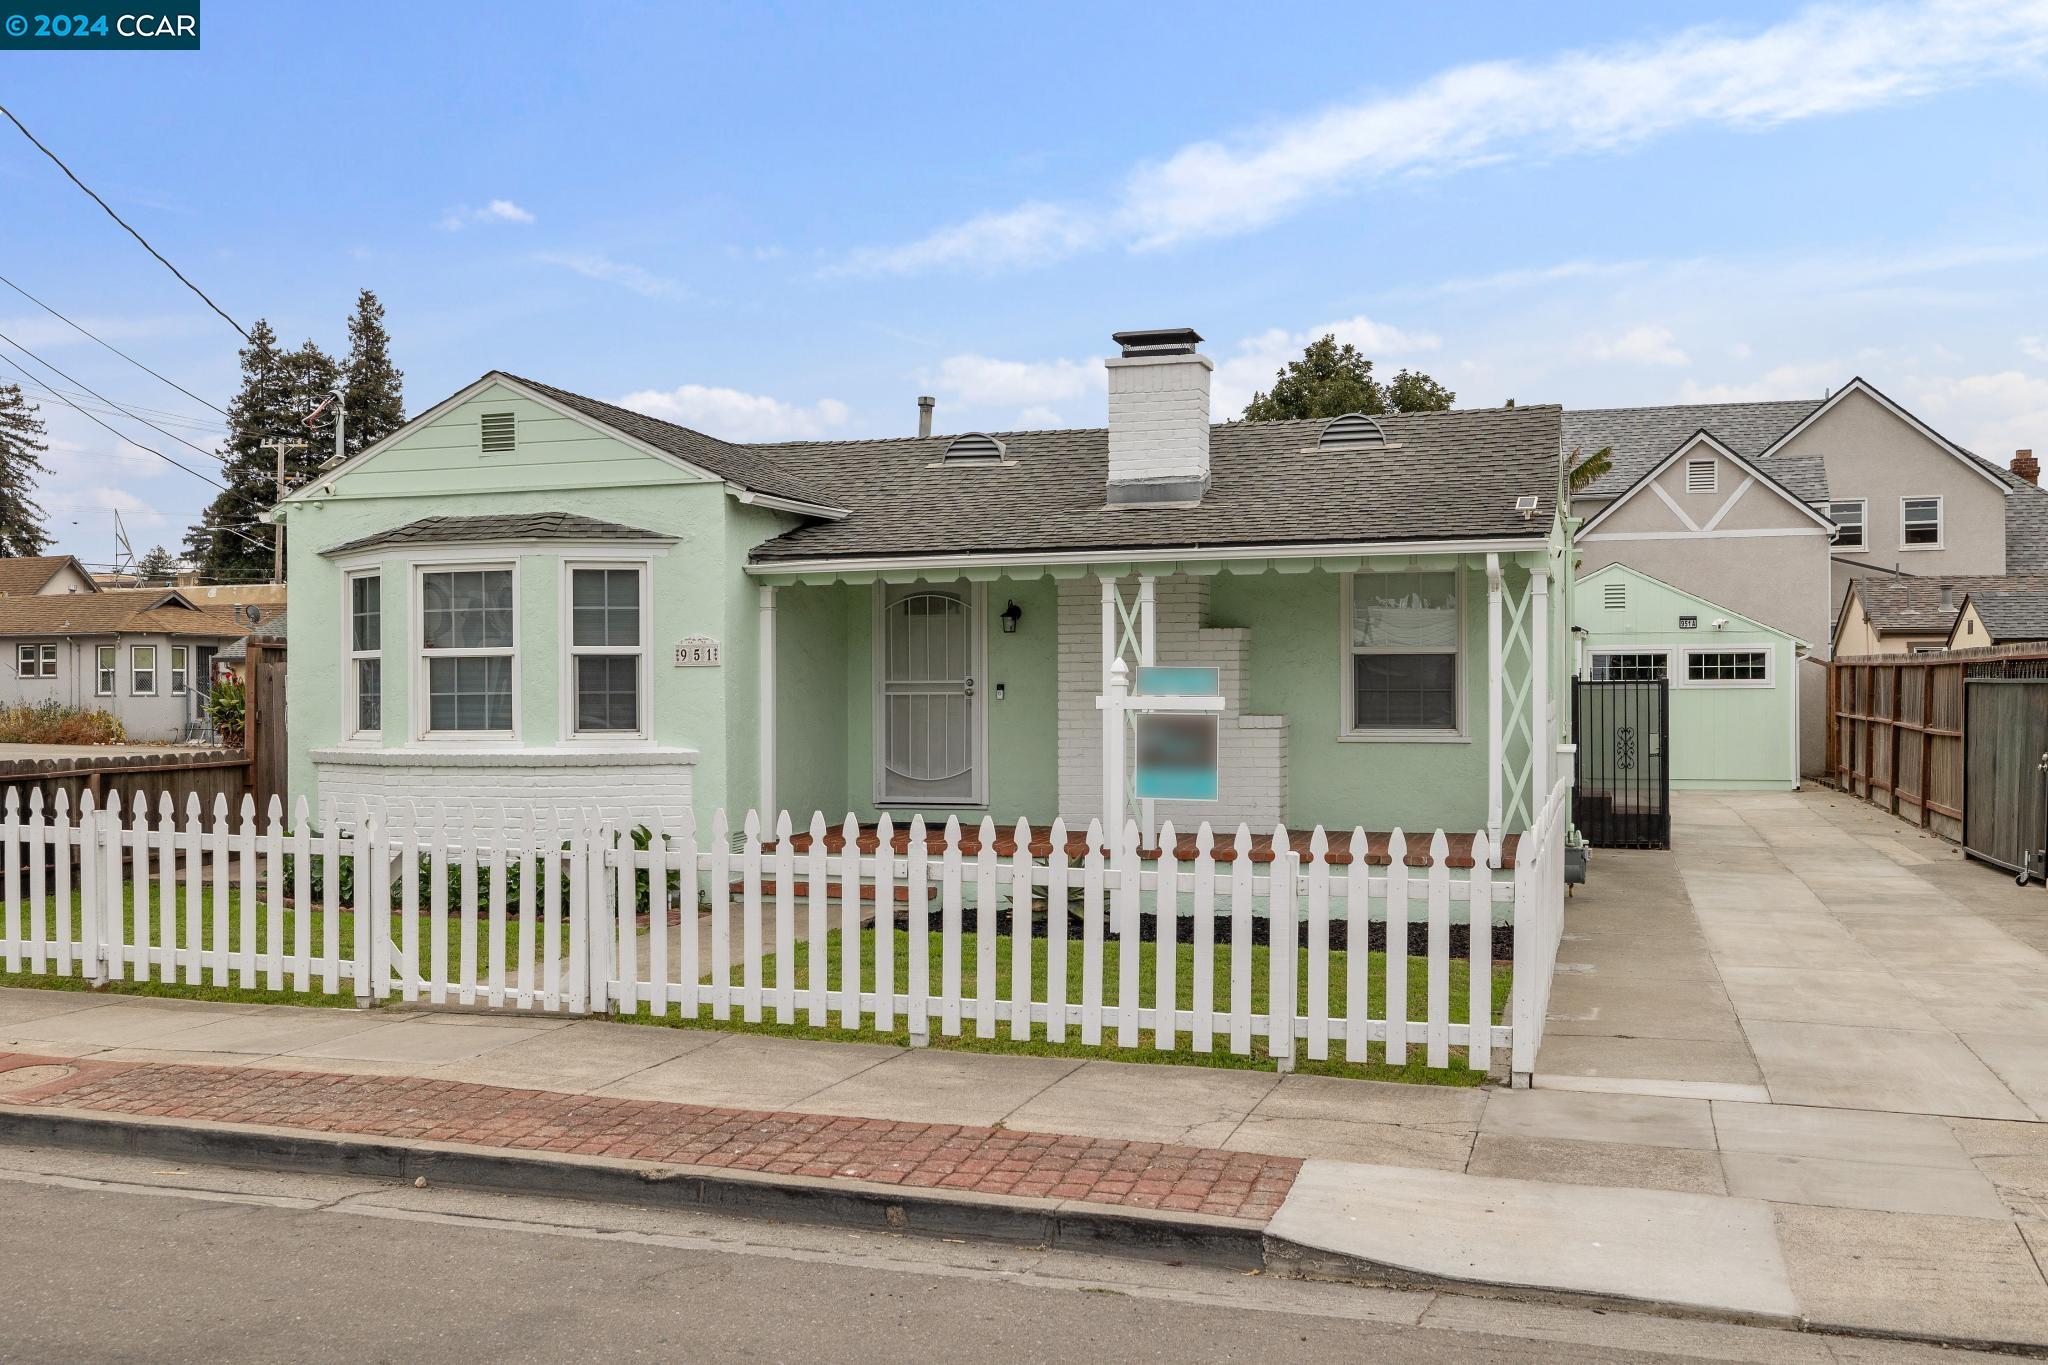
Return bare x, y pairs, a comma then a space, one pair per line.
775, 221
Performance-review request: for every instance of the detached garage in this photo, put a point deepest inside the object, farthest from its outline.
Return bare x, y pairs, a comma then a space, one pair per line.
1734, 682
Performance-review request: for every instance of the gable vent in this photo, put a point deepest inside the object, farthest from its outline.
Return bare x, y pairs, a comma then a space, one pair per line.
1700, 476
1351, 430
498, 434
975, 448
1615, 596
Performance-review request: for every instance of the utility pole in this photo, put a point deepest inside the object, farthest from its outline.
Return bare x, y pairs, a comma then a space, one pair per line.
277, 527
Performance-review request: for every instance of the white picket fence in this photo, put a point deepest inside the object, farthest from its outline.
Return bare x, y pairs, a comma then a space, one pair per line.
540, 909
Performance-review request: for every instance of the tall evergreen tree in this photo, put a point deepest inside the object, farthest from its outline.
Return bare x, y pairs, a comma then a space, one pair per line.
1330, 380
21, 450
279, 389
375, 401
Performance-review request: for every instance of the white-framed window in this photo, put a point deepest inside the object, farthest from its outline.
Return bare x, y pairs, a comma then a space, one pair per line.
142, 670
1702, 476
1849, 516
1920, 523
364, 686
468, 622
105, 664
35, 661
1404, 635
1629, 665
181, 669
607, 658
1738, 667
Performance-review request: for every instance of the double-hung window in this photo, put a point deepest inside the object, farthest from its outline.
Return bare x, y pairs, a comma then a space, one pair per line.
104, 667
365, 680
35, 661
1848, 517
468, 644
1920, 523
607, 649
142, 670
1402, 642
181, 669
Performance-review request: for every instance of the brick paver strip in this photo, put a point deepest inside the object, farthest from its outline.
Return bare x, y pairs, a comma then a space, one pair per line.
1149, 1175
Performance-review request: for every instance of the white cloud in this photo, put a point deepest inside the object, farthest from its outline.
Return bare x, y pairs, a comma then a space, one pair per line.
595, 265
736, 416
1826, 60
1992, 414
2034, 348
1807, 379
497, 211
1644, 345
1251, 367
980, 381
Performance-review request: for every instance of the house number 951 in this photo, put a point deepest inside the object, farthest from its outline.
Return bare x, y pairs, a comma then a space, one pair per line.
697, 651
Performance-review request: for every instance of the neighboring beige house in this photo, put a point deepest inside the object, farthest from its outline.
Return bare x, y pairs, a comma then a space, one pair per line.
2014, 613
1901, 615
44, 576
1897, 498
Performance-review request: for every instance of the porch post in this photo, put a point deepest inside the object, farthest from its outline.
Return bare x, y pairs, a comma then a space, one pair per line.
1542, 735
1112, 781
1494, 756
1147, 656
766, 725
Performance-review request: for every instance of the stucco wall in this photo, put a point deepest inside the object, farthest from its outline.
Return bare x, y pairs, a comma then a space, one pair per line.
158, 717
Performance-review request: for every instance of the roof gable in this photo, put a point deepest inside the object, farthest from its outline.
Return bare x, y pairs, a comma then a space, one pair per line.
2019, 613
1647, 481
1640, 437
25, 575
1864, 388
1589, 609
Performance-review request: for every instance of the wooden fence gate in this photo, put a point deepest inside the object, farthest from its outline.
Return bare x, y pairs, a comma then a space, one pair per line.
268, 737
2005, 802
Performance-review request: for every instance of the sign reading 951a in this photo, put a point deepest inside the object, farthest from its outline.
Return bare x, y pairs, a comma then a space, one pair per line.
47, 27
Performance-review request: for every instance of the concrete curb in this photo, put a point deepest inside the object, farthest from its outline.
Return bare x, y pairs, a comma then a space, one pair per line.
1072, 1225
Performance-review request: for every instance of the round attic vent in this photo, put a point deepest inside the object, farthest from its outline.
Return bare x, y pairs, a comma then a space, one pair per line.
975, 448
1352, 429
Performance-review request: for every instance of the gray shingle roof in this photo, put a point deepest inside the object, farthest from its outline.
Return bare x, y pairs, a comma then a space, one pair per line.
506, 526
1441, 476
1805, 477
2026, 528
2014, 613
1912, 605
1641, 437
751, 467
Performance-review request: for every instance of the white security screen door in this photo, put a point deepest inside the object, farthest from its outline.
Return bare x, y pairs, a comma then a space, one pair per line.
930, 724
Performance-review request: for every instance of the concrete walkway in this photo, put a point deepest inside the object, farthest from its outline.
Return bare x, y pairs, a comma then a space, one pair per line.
1871, 1221
1804, 948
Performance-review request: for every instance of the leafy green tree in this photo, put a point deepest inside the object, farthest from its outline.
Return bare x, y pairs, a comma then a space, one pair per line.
158, 566
21, 450
279, 390
1331, 379
375, 401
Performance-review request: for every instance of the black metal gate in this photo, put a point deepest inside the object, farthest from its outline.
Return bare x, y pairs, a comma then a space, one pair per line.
2005, 790
1623, 733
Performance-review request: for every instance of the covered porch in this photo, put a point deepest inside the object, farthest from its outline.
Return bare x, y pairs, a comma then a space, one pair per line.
967, 687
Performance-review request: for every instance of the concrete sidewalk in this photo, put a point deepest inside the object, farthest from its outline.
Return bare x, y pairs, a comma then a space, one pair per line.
1864, 1221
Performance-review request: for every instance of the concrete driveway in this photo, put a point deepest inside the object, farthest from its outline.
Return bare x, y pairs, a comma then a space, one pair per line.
1805, 949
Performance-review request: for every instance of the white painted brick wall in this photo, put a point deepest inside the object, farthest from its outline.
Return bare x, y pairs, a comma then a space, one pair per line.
1158, 418
1252, 748
633, 794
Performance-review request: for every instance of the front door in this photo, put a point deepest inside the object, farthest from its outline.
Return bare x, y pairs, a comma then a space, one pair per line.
930, 727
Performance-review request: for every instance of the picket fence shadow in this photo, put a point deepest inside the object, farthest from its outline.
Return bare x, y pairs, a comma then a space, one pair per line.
914, 932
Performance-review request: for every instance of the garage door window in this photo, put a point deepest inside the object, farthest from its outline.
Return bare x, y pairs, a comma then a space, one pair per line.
1728, 668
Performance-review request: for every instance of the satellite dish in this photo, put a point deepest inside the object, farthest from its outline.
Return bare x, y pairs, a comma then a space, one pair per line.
255, 615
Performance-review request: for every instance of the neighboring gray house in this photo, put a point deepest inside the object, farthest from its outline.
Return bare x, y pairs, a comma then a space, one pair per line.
142, 656
1707, 497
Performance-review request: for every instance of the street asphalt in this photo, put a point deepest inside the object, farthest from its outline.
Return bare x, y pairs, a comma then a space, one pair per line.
124, 1258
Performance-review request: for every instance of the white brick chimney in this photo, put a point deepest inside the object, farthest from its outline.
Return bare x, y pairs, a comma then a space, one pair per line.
1158, 418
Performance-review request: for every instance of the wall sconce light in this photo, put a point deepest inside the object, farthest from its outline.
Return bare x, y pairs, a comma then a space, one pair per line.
1012, 614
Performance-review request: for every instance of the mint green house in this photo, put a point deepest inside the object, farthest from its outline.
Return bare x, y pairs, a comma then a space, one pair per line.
533, 596
1733, 700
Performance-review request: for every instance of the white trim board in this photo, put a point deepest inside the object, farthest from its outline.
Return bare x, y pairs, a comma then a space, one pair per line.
1759, 533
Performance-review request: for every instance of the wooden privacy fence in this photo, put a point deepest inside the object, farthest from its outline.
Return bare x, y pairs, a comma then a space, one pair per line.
1897, 734
535, 909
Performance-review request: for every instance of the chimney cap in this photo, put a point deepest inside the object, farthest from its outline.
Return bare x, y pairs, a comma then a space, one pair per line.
1158, 341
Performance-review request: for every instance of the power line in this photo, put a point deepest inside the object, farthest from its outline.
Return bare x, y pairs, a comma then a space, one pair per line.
123, 222
209, 454
151, 450
109, 345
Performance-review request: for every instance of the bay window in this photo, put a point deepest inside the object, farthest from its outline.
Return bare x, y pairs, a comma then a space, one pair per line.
607, 649
468, 647
365, 680
1404, 636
